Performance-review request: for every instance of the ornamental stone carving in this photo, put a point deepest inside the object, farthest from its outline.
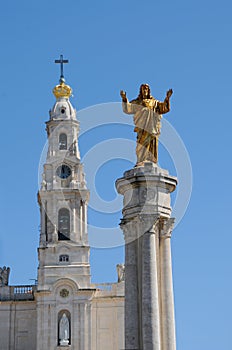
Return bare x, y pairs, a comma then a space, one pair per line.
64, 293
4, 276
166, 227
136, 227
121, 272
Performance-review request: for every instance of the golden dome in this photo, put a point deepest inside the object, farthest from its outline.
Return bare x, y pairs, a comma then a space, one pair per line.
62, 90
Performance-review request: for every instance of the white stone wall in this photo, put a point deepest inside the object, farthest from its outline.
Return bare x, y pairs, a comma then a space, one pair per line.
97, 319
18, 325
108, 319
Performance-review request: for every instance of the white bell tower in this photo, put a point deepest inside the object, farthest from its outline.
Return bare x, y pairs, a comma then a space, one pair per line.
63, 199
64, 291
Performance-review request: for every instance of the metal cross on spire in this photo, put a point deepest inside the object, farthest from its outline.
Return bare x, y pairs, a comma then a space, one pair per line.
61, 61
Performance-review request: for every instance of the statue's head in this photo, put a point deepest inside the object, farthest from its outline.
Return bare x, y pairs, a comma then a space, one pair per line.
144, 91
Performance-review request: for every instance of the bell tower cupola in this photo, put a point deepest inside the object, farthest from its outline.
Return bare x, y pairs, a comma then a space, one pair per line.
62, 109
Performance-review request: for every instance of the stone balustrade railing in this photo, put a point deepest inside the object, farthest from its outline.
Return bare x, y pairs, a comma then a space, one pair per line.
16, 293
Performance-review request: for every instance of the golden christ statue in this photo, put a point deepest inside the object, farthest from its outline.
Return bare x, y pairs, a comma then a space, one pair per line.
147, 115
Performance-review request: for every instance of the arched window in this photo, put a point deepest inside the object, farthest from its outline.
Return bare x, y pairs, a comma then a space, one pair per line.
64, 328
64, 258
63, 224
63, 141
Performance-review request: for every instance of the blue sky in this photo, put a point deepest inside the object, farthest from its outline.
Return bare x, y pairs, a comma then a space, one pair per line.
113, 45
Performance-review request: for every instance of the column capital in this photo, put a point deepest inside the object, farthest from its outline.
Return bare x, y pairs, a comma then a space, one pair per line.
128, 226
139, 225
148, 223
166, 227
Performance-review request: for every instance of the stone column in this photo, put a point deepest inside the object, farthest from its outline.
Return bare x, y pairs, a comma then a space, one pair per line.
150, 294
80, 220
131, 287
74, 210
167, 299
146, 192
85, 229
42, 224
72, 219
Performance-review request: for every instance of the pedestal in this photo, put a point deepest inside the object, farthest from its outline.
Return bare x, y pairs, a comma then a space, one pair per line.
146, 223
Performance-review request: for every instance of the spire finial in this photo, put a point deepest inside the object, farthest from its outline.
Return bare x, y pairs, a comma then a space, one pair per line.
61, 61
62, 90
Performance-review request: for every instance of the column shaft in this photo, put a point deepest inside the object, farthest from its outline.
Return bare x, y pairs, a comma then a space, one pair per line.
150, 295
80, 220
131, 297
167, 299
42, 224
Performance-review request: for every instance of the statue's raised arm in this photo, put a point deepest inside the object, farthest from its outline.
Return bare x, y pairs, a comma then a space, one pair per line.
147, 115
164, 107
123, 96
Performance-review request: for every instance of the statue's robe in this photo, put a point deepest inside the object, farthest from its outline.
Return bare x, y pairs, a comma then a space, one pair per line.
147, 120
64, 328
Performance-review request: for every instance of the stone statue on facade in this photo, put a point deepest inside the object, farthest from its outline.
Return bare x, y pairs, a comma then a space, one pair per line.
64, 330
121, 272
4, 276
147, 116
44, 183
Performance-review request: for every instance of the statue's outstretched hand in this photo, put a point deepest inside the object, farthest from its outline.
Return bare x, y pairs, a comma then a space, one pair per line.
123, 96
169, 93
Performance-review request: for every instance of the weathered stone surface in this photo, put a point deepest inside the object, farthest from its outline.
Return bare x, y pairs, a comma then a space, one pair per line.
146, 224
146, 190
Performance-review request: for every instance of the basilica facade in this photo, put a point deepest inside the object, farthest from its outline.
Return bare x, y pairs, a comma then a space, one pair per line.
64, 310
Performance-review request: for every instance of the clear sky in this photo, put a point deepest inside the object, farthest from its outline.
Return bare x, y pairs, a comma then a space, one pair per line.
113, 45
